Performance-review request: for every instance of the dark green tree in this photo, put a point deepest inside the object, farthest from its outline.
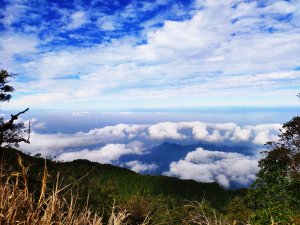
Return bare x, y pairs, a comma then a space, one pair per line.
11, 132
275, 195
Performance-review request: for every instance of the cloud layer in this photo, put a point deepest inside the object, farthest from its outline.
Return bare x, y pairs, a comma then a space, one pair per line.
213, 166
110, 153
109, 144
151, 135
152, 54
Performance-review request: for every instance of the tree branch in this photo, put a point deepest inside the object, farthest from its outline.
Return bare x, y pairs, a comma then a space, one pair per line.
15, 117
6, 125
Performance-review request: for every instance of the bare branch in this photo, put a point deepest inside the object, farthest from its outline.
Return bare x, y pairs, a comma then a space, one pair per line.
15, 117
6, 125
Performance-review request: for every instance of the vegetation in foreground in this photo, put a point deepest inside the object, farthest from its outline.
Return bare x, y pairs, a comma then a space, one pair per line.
275, 195
142, 198
19, 205
92, 189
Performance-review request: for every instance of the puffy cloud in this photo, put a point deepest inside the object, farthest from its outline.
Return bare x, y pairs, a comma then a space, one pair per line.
13, 13
214, 166
232, 30
200, 131
16, 45
141, 167
221, 132
265, 132
181, 132
249, 50
240, 134
78, 19
165, 130
108, 144
120, 132
35, 124
109, 22
107, 154
55, 144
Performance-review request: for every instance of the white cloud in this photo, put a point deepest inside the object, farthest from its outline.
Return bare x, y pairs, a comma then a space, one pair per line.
280, 7
77, 19
165, 130
242, 56
35, 124
55, 144
107, 154
13, 13
150, 135
265, 132
80, 113
14, 44
109, 22
240, 134
108, 26
211, 132
108, 144
209, 35
214, 166
140, 167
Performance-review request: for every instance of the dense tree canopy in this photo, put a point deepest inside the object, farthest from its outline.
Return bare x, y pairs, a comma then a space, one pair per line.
275, 195
11, 132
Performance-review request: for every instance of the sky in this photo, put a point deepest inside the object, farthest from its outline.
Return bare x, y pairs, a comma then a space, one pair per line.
106, 79
144, 55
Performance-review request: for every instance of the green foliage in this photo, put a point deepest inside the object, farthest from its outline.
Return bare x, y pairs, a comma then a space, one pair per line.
11, 133
238, 211
275, 194
163, 198
5, 89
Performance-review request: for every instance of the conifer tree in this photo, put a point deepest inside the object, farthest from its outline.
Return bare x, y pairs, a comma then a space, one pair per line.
11, 132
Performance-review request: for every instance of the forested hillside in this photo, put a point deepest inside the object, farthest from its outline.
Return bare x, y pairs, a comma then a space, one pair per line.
105, 184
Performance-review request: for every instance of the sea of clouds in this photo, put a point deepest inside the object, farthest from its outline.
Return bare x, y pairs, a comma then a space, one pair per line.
108, 144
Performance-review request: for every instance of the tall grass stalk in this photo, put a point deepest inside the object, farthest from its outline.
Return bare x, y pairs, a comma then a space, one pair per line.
20, 206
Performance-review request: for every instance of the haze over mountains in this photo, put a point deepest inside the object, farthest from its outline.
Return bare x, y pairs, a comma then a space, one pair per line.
223, 152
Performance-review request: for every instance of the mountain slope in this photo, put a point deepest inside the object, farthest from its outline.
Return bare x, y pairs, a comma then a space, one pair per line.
105, 183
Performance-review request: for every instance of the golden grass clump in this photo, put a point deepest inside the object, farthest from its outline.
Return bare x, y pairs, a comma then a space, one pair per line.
200, 214
20, 206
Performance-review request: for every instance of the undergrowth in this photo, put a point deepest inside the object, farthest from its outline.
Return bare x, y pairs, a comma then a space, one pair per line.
18, 205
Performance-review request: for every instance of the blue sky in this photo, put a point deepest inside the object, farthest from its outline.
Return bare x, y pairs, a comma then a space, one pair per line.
113, 72
122, 55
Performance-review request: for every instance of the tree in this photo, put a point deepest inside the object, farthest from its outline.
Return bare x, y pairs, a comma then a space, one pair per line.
275, 195
11, 132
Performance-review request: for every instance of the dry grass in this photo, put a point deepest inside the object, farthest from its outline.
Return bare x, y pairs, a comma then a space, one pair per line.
19, 206
199, 214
